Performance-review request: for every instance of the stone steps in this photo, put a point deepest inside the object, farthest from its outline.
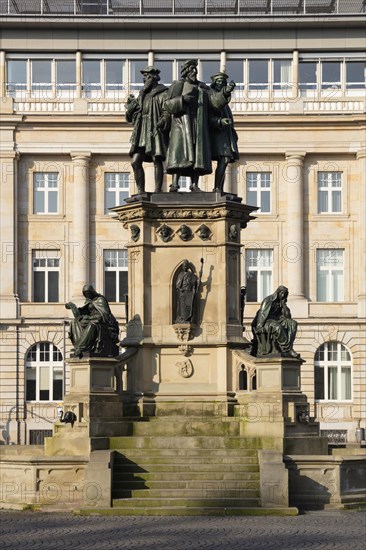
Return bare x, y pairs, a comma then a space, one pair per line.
182, 427
161, 489
187, 475
185, 467
189, 502
204, 510
184, 442
147, 467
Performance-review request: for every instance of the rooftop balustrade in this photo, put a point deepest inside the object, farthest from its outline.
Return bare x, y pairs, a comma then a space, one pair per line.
180, 8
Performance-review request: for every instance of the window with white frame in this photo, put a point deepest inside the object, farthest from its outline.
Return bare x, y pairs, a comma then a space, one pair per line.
355, 75
91, 77
258, 74
46, 275
333, 372
115, 275
259, 270
16, 76
308, 75
44, 373
235, 71
117, 189
329, 192
41, 75
330, 275
282, 74
184, 183
258, 190
331, 75
45, 192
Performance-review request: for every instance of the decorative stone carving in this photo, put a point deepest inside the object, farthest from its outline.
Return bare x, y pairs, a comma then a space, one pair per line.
185, 350
184, 331
185, 232
165, 233
185, 368
135, 233
233, 232
204, 232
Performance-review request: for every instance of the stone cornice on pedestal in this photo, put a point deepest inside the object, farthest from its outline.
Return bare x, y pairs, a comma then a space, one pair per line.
166, 207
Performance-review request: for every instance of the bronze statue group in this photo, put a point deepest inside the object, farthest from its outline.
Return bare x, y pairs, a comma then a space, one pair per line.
185, 126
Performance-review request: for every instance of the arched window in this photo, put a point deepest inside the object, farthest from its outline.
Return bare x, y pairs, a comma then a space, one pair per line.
44, 373
333, 372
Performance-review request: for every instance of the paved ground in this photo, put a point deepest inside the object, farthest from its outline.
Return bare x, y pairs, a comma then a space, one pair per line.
318, 531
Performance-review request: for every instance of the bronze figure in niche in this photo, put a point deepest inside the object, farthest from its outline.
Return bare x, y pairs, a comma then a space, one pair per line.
274, 330
94, 328
187, 287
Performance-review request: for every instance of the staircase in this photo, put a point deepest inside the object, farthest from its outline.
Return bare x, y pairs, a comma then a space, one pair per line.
179, 467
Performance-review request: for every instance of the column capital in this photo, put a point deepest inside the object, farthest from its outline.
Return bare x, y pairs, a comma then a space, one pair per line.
361, 153
12, 155
295, 155
83, 156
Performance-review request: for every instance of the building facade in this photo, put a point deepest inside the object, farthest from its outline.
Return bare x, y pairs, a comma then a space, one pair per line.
66, 69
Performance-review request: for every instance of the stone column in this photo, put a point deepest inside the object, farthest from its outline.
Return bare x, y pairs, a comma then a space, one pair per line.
295, 74
80, 224
293, 249
8, 235
2, 74
361, 253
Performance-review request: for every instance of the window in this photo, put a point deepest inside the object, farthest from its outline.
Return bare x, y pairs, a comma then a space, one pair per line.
44, 373
16, 75
308, 75
258, 74
330, 270
282, 74
65, 75
235, 71
331, 75
91, 77
208, 69
258, 267
46, 271
184, 183
329, 192
45, 193
136, 66
117, 189
166, 71
41, 75
355, 74
333, 372
114, 75
115, 275
259, 190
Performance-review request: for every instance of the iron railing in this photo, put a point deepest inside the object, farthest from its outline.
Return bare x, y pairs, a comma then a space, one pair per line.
127, 8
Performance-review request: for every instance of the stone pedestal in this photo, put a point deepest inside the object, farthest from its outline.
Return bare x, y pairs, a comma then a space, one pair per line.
98, 400
274, 406
183, 364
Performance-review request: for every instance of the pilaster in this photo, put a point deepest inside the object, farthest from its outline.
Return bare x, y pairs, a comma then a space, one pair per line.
80, 227
361, 157
293, 175
8, 236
